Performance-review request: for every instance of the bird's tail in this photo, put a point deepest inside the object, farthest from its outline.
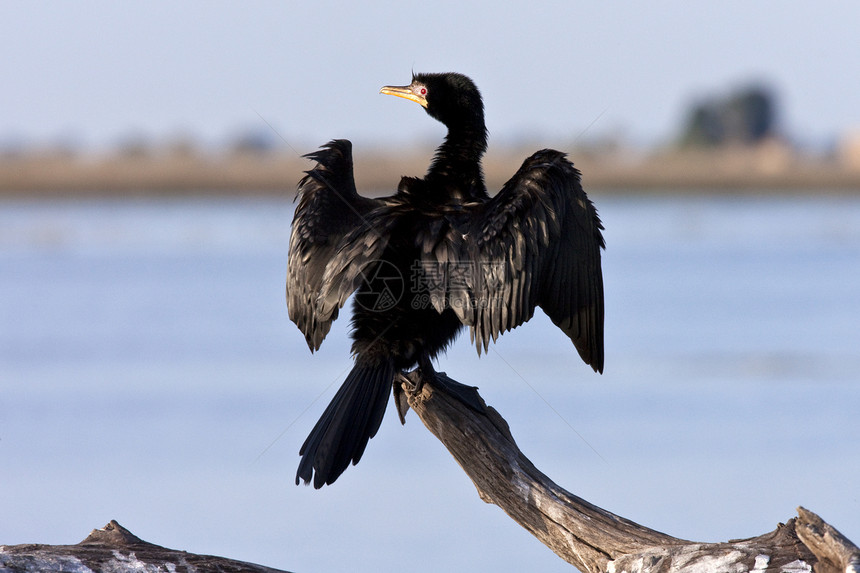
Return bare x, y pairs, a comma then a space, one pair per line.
349, 421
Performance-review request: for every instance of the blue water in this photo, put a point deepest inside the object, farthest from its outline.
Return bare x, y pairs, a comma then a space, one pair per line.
149, 374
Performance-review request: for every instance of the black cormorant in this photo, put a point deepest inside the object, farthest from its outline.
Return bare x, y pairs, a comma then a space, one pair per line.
438, 255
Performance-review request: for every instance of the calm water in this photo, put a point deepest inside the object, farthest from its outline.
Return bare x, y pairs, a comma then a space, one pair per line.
149, 374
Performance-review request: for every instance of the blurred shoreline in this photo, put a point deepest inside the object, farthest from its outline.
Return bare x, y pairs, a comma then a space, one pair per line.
770, 166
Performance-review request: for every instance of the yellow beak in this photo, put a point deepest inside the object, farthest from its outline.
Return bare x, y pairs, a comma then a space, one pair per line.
406, 92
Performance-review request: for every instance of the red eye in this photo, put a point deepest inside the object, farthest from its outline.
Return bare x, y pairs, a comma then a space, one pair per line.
423, 91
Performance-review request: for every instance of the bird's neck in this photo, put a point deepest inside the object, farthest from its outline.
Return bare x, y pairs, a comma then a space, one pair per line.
456, 172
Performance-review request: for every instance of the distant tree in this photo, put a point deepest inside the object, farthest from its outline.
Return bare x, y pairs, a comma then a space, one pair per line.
749, 115
134, 145
182, 146
704, 127
255, 141
746, 117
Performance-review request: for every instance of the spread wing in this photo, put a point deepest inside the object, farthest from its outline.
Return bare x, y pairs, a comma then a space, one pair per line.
330, 217
536, 243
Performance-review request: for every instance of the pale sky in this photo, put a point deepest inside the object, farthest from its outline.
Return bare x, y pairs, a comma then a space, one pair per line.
96, 72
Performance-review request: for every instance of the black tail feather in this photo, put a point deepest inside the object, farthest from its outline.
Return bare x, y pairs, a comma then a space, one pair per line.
349, 421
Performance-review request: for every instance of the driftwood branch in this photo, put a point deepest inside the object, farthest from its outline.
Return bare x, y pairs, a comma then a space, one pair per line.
114, 548
588, 537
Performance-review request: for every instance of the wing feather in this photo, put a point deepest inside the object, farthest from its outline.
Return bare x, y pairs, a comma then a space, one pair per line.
330, 218
536, 243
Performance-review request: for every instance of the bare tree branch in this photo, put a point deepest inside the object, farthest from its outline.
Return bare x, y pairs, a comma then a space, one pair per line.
114, 548
586, 536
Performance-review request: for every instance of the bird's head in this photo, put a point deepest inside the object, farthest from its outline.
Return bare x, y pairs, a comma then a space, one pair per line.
451, 98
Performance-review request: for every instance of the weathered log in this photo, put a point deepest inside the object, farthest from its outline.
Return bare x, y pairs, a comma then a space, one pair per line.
114, 548
586, 536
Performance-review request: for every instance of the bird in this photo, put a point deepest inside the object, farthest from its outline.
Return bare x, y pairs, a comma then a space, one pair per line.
438, 256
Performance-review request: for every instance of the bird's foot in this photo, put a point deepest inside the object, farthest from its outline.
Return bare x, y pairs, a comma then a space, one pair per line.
411, 383
405, 384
